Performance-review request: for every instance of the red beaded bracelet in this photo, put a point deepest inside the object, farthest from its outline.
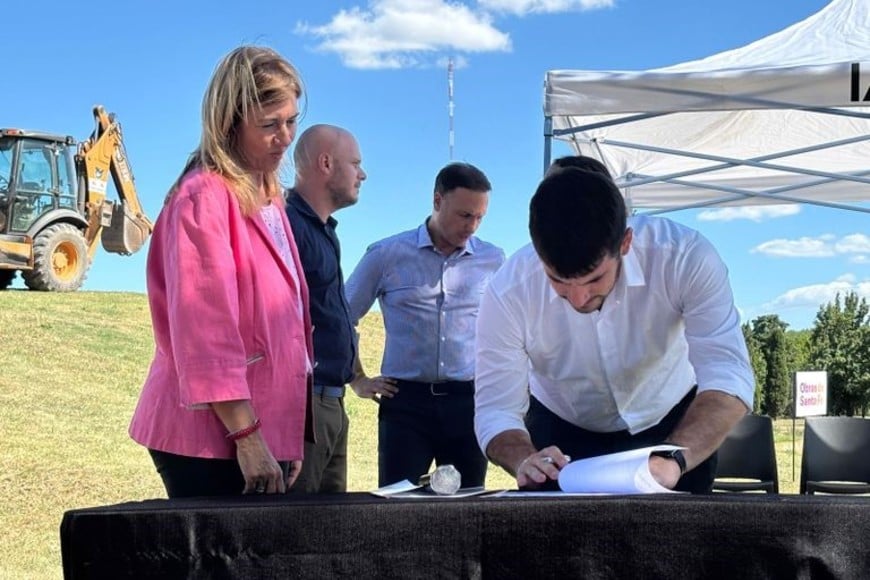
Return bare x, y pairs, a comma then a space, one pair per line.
242, 433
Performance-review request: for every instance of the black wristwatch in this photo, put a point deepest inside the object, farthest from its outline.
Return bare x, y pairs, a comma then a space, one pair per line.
676, 455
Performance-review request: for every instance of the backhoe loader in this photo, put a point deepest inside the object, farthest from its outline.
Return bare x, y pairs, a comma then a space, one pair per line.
53, 206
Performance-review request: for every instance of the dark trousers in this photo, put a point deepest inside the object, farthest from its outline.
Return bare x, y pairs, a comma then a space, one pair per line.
546, 428
324, 469
426, 421
197, 476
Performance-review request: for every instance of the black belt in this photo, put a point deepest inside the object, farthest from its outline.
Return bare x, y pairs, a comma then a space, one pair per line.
437, 389
327, 391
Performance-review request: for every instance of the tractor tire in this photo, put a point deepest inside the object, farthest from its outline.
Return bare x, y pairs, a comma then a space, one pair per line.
60, 260
6, 278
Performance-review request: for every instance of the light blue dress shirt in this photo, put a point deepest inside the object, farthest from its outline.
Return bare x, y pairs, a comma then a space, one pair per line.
429, 302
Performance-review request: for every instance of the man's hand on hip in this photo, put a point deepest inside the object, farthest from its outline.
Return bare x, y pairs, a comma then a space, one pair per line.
374, 387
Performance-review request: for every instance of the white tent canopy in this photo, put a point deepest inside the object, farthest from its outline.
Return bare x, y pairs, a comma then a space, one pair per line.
784, 119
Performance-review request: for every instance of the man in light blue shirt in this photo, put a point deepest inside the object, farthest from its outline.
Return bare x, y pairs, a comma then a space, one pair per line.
428, 282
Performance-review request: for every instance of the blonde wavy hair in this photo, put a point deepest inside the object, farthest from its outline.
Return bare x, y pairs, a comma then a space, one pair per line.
248, 78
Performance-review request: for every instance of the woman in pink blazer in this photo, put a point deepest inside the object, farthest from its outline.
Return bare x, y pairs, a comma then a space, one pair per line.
225, 407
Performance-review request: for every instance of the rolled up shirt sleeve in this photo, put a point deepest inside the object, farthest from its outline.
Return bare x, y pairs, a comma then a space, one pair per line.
501, 396
717, 347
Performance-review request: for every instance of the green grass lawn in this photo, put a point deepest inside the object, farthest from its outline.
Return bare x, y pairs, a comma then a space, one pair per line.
71, 366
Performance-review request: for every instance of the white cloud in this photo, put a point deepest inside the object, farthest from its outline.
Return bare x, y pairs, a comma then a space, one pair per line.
417, 33
459, 62
816, 295
405, 33
522, 7
756, 213
799, 248
856, 246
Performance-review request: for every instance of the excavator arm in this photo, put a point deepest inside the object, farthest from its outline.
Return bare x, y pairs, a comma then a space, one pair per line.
122, 225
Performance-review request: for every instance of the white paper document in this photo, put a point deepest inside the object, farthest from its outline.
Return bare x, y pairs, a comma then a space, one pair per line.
403, 486
626, 472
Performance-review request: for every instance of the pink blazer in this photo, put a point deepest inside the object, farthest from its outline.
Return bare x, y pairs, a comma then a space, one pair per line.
227, 325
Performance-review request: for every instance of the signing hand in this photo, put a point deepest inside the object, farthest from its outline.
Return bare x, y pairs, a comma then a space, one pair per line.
538, 467
374, 387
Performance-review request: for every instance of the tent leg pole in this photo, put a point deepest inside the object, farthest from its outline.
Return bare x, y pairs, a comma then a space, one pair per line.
548, 142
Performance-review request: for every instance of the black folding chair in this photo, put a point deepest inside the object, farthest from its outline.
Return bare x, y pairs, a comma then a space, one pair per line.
747, 457
836, 456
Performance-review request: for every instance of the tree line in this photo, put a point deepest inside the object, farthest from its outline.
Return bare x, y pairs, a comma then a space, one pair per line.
838, 342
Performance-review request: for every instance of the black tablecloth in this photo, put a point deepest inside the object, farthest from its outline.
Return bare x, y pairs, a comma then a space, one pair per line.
362, 536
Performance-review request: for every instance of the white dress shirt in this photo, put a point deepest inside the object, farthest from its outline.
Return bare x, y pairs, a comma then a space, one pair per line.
669, 323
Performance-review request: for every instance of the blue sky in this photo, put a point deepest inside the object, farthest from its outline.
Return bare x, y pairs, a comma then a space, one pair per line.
378, 68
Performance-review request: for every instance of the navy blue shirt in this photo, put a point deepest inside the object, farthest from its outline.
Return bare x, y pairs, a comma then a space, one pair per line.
320, 253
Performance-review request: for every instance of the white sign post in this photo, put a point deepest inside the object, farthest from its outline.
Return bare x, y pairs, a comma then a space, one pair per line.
810, 398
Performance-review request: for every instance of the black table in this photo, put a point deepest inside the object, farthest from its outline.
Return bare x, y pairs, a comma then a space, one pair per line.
358, 535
